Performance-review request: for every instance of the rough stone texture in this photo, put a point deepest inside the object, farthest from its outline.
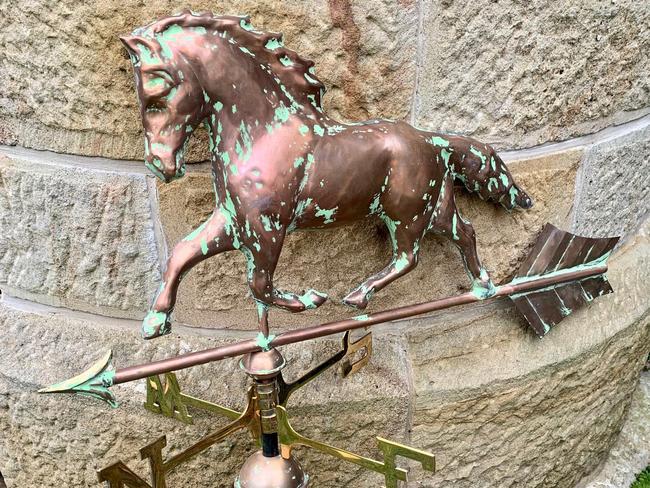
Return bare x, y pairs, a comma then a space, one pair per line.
74, 237
502, 408
614, 186
68, 86
60, 440
524, 73
631, 453
335, 261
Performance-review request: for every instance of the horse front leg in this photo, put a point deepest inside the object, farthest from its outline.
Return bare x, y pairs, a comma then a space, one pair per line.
449, 222
208, 239
262, 258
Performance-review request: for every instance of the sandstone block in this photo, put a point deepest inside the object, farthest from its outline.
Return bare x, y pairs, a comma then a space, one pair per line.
68, 85
614, 186
74, 237
519, 74
631, 453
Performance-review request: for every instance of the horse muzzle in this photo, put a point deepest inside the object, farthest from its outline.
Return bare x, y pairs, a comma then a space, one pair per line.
165, 171
523, 200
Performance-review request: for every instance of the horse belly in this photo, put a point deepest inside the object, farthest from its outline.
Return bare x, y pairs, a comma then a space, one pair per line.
343, 182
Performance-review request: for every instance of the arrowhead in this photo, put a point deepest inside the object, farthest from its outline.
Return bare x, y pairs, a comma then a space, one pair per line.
94, 382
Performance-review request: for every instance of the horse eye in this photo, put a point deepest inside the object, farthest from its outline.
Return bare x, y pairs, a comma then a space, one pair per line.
156, 105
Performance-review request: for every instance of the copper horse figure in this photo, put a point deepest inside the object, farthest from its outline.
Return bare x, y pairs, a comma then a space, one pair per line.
279, 163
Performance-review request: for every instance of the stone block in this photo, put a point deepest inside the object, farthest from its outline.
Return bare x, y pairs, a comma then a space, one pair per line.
519, 74
75, 237
631, 453
614, 186
334, 261
68, 85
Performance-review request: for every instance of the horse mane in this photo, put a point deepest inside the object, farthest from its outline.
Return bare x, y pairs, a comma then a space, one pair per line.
295, 72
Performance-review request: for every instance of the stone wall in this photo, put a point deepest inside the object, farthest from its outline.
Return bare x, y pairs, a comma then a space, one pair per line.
561, 88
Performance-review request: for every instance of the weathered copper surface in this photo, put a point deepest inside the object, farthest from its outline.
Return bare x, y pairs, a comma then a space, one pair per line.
554, 252
280, 163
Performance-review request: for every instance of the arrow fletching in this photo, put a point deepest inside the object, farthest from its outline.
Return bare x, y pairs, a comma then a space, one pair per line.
94, 382
557, 252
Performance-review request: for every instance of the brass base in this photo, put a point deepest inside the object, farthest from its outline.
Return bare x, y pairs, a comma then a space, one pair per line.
271, 472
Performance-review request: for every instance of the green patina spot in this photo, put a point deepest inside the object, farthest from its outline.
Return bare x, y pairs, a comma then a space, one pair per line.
504, 179
204, 246
246, 50
172, 93
454, 224
264, 341
402, 262
479, 154
234, 109
491, 182
158, 146
154, 323
318, 130
155, 82
481, 292
493, 163
307, 299
513, 195
218, 106
146, 56
273, 44
445, 157
310, 79
245, 24
298, 161
361, 318
286, 60
304, 130
327, 214
439, 141
282, 113
375, 205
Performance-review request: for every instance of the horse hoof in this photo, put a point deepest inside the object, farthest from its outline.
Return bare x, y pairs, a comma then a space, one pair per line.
312, 299
483, 289
357, 300
156, 324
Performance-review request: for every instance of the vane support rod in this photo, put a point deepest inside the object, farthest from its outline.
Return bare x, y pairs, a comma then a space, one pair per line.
132, 373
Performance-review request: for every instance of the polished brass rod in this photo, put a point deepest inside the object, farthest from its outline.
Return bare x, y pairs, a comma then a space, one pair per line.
132, 373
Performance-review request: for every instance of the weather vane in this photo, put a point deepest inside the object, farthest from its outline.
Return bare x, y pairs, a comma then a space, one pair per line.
279, 164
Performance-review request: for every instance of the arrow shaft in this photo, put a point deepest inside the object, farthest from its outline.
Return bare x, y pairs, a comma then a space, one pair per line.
132, 373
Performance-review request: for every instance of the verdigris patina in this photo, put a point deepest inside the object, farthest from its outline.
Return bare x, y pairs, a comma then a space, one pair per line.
279, 163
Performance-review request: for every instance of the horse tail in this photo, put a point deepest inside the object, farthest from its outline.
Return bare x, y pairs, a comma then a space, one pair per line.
480, 169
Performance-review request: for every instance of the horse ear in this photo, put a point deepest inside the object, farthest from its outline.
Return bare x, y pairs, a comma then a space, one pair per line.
134, 45
129, 43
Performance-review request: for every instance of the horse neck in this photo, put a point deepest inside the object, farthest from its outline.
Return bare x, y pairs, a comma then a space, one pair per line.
245, 92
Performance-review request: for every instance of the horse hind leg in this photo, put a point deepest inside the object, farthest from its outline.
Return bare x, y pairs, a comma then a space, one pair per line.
207, 240
451, 224
406, 245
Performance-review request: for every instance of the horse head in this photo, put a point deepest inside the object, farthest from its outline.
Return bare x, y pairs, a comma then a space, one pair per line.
171, 102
